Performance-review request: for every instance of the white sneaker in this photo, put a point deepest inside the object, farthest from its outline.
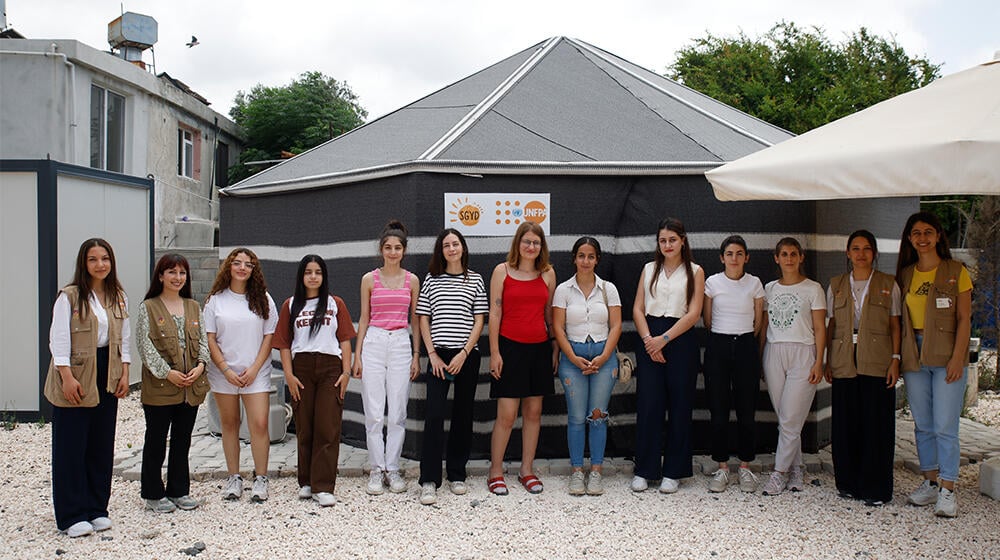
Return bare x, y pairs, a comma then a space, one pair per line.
577, 487
233, 489
796, 481
428, 493
776, 483
395, 481
595, 484
947, 504
101, 523
669, 485
748, 480
925, 494
375, 486
259, 492
720, 481
639, 484
324, 499
458, 487
80, 529
305, 492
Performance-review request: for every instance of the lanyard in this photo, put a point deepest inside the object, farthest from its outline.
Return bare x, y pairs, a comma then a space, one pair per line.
858, 301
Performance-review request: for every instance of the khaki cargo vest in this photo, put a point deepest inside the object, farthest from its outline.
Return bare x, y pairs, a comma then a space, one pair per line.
939, 324
874, 349
164, 336
83, 352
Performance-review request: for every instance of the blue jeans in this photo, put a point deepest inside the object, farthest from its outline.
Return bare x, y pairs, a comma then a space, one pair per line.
584, 394
936, 407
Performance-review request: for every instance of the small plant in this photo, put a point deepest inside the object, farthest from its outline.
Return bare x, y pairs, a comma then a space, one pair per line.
8, 420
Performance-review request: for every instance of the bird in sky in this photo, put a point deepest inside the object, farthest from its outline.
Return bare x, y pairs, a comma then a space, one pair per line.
194, 41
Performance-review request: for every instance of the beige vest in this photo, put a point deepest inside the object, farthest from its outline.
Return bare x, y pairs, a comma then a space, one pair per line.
939, 324
83, 353
874, 348
164, 336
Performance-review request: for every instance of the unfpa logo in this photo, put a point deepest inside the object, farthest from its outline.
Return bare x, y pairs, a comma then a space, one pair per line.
466, 212
513, 212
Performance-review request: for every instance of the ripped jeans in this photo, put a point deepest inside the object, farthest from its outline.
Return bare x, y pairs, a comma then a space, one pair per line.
584, 394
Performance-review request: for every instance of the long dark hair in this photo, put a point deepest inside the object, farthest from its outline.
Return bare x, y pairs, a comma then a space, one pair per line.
907, 254
676, 226
256, 286
299, 300
166, 262
438, 263
870, 238
113, 292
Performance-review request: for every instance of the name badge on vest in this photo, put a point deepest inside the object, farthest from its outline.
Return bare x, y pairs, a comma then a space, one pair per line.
854, 338
943, 302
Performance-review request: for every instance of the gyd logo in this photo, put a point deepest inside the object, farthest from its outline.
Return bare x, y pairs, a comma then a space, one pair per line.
466, 212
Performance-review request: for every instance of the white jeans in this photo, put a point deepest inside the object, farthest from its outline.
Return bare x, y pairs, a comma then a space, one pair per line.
385, 358
786, 371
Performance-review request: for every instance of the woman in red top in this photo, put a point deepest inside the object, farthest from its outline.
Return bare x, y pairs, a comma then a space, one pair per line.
522, 355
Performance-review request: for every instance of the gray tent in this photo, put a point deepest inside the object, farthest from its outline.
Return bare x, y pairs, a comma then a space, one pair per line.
615, 146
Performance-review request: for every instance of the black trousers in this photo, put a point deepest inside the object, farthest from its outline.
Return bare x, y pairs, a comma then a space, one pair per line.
83, 452
864, 433
665, 389
460, 433
732, 380
178, 419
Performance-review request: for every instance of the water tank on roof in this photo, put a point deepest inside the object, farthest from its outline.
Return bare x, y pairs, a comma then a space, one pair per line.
132, 30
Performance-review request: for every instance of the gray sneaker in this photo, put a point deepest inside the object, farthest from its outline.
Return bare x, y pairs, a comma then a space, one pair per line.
925, 494
720, 481
796, 483
595, 484
947, 504
233, 489
186, 503
576, 484
428, 493
776, 483
395, 481
748, 480
374, 487
259, 492
162, 505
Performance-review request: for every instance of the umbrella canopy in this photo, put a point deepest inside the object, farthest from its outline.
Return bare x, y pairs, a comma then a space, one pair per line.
943, 138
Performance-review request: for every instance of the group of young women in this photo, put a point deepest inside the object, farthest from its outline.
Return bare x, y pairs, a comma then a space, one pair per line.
860, 334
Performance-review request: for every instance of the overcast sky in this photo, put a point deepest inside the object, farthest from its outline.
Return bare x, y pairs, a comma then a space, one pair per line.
394, 52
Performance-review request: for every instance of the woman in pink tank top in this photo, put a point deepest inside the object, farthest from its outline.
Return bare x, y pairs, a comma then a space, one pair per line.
523, 355
384, 359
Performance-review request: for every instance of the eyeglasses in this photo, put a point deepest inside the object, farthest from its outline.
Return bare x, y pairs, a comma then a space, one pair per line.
531, 243
241, 264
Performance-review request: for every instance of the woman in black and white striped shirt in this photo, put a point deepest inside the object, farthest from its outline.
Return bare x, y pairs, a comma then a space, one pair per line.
452, 308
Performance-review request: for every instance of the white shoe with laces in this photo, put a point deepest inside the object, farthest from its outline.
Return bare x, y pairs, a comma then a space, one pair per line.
776, 483
375, 487
233, 489
947, 503
595, 483
925, 494
720, 481
458, 487
259, 491
748, 480
428, 493
396, 482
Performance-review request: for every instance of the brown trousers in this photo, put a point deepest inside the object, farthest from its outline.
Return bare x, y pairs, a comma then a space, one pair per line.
318, 414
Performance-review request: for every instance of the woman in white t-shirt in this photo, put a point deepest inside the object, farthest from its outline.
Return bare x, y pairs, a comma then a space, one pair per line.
734, 316
793, 359
587, 321
240, 318
667, 306
314, 335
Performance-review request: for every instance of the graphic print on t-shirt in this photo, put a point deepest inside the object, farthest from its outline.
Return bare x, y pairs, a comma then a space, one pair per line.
783, 309
923, 290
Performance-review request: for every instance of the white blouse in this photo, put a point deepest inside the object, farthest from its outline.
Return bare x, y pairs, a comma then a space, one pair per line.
670, 297
59, 336
586, 316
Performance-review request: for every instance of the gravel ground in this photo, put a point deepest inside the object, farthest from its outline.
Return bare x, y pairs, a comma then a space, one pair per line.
620, 524
987, 410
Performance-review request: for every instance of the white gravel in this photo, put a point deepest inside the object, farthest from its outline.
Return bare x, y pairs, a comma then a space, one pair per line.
621, 524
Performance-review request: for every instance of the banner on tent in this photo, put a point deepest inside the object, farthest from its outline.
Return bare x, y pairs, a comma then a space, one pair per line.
478, 214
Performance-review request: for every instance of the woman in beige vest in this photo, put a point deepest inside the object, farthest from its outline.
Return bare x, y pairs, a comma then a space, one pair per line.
174, 350
863, 365
89, 342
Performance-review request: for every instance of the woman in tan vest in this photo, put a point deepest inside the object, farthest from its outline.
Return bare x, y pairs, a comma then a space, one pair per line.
863, 365
174, 350
89, 342
935, 351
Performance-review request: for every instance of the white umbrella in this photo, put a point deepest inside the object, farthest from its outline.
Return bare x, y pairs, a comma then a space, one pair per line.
943, 138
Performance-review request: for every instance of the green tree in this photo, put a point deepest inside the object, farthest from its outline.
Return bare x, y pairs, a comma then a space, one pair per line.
312, 109
798, 79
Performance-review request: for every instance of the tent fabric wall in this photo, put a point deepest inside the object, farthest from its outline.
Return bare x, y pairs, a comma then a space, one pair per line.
342, 223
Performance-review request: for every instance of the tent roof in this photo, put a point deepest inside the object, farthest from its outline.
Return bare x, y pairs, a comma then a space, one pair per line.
561, 106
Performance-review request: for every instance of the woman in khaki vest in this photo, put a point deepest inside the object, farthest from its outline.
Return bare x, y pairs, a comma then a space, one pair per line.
935, 351
89, 342
863, 365
174, 349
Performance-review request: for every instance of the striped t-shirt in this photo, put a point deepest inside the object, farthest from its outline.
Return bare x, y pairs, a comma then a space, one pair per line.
390, 307
452, 301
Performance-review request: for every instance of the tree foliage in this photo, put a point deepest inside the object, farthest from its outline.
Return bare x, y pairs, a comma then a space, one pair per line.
312, 109
984, 235
798, 79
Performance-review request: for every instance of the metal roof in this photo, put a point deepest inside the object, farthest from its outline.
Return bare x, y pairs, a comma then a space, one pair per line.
561, 106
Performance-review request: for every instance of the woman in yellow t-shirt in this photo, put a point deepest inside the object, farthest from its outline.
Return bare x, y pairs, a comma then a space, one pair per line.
935, 351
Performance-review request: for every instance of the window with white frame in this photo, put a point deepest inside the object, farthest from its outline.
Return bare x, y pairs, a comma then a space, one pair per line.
107, 129
185, 153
